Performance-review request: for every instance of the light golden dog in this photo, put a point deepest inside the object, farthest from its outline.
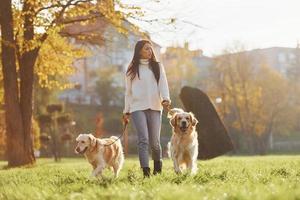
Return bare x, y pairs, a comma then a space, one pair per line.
184, 142
100, 153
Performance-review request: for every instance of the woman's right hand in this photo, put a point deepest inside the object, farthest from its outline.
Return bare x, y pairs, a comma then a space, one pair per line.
126, 117
166, 104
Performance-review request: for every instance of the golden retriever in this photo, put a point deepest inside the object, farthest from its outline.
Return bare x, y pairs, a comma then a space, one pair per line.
184, 142
100, 153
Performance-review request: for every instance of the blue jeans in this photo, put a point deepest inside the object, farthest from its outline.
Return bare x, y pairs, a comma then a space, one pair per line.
148, 124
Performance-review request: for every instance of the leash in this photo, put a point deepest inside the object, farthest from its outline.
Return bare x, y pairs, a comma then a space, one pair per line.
125, 124
168, 108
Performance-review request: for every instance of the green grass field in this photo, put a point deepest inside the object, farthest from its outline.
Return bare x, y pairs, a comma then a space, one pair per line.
267, 177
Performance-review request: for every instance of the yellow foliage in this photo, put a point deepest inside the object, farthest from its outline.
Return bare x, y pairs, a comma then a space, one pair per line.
56, 54
36, 135
55, 62
252, 94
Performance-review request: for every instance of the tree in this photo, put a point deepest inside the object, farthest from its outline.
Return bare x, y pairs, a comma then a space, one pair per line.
106, 86
53, 65
253, 96
293, 74
274, 107
25, 26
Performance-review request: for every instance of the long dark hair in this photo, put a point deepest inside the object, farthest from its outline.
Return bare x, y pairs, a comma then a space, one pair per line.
133, 68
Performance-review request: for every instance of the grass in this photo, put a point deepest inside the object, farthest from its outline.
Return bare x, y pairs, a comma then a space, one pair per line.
267, 177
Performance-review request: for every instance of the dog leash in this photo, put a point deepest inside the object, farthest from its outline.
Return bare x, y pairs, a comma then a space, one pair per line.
168, 108
125, 124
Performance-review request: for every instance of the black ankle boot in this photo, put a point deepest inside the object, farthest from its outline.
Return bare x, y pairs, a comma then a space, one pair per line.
146, 172
157, 167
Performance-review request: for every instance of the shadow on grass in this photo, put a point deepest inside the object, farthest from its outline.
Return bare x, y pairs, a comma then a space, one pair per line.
4, 165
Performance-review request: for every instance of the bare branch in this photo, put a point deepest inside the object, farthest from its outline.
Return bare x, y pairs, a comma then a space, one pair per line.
70, 21
58, 5
193, 24
170, 20
59, 16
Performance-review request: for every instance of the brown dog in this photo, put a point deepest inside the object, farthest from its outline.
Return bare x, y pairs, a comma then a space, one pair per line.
184, 142
100, 154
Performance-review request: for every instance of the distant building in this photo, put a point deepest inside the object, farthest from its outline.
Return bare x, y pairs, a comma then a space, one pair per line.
197, 56
278, 58
174, 55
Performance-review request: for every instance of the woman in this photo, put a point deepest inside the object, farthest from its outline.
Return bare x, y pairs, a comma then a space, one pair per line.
146, 93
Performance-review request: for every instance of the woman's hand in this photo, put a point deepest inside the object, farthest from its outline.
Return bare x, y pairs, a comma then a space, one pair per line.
166, 104
125, 118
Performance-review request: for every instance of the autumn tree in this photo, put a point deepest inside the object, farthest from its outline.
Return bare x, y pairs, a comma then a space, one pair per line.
53, 65
274, 106
25, 26
293, 74
253, 96
107, 88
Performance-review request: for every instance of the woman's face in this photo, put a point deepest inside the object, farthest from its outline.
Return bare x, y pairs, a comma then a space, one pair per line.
146, 51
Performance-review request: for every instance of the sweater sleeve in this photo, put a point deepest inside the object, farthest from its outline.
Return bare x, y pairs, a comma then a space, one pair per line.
128, 94
163, 84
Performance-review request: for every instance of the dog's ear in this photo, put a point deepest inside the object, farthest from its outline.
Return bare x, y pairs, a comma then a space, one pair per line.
92, 140
174, 111
173, 121
193, 119
78, 137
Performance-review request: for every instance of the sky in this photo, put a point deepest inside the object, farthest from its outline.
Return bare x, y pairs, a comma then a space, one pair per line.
213, 25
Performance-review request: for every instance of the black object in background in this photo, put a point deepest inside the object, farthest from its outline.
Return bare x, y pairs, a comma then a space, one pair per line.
213, 137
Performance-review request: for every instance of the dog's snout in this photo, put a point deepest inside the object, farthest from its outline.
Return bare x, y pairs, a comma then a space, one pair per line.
183, 123
77, 150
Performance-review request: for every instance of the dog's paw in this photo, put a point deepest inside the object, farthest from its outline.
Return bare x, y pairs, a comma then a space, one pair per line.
116, 176
94, 174
178, 171
194, 171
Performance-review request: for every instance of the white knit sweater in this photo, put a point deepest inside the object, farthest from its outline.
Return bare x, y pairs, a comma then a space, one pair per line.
144, 92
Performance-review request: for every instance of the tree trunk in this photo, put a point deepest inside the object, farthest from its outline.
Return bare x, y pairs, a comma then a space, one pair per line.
19, 140
259, 144
27, 62
26, 104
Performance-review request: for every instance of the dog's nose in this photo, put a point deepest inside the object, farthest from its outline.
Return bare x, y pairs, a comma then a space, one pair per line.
183, 123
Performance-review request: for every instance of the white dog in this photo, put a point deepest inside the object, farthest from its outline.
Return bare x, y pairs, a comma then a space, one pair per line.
184, 142
101, 153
